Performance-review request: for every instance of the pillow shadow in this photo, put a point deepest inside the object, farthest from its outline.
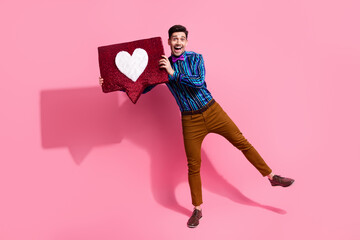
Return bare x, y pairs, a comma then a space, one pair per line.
84, 118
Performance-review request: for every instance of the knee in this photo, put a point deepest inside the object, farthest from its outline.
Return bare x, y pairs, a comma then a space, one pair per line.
246, 148
242, 143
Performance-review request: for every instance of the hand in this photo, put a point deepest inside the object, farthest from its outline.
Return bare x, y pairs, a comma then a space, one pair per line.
165, 63
101, 81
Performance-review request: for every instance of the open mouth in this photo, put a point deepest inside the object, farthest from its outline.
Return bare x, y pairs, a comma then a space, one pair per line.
177, 48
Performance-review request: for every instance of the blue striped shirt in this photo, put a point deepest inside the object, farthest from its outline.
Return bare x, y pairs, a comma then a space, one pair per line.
188, 84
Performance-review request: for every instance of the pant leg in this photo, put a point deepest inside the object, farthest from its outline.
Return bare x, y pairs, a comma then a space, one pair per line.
194, 132
217, 121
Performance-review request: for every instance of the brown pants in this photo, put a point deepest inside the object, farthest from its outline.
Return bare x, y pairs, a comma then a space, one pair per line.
213, 120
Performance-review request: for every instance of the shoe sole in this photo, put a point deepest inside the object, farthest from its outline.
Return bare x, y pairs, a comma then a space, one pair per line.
190, 226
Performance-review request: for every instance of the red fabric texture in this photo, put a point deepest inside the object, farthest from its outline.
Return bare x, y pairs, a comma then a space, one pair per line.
115, 80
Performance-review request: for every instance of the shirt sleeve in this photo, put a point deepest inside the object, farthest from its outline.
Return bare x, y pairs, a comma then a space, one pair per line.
195, 77
174, 77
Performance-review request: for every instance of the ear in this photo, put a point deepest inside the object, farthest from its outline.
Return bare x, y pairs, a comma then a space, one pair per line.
169, 41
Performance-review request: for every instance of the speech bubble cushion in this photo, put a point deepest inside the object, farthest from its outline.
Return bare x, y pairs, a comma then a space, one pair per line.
132, 66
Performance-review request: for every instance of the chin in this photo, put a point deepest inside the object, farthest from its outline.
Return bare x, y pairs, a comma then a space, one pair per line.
177, 54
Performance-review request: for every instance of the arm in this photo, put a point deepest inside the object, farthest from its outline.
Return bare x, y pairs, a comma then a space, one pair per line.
196, 79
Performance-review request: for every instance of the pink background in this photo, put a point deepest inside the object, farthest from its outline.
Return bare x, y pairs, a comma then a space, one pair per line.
80, 164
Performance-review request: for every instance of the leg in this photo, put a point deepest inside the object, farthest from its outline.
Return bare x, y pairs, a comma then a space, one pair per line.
194, 132
219, 122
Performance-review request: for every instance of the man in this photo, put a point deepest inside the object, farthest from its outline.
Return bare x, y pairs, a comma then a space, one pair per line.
200, 115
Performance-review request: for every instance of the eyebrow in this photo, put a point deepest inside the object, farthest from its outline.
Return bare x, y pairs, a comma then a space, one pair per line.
179, 37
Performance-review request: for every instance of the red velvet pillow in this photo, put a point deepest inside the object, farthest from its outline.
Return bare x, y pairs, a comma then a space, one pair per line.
132, 66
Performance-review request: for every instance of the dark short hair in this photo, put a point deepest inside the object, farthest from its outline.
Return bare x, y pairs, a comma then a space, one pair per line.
177, 28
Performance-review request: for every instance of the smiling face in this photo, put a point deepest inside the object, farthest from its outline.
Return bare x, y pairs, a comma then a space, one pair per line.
177, 43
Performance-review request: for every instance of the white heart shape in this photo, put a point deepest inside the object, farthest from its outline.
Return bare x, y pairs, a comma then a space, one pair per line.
132, 66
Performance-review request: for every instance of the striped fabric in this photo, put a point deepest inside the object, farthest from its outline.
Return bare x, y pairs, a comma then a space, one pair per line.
188, 84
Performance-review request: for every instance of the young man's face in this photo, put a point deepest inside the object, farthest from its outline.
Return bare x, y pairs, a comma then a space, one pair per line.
177, 43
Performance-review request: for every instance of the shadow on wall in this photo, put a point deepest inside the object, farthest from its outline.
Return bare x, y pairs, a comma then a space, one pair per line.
82, 118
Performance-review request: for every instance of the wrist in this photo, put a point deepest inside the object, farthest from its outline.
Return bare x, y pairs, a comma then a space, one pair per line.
174, 76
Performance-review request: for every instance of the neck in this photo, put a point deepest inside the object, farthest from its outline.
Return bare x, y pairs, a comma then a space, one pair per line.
177, 56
